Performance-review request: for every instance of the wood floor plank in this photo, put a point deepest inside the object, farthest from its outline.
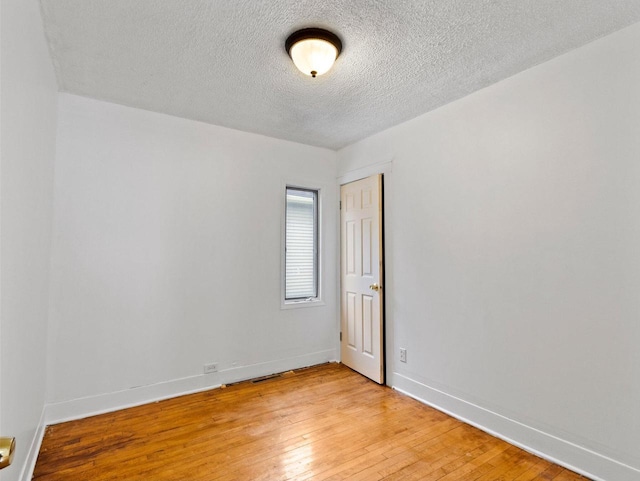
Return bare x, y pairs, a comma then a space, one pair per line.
324, 423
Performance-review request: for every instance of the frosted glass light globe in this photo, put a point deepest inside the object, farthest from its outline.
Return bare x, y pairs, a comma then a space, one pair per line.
313, 56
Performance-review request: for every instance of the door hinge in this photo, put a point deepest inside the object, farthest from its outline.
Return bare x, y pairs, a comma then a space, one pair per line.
340, 205
340, 336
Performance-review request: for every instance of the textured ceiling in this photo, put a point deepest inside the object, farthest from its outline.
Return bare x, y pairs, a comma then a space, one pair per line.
223, 61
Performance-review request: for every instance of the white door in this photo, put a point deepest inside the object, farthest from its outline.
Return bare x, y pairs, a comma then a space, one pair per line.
361, 274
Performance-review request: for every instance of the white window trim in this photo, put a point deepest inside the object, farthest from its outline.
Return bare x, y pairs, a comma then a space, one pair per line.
308, 185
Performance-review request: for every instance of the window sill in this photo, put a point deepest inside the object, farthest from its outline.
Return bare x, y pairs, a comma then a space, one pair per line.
303, 303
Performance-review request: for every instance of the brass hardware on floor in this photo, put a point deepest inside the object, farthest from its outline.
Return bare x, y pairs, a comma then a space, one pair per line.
7, 448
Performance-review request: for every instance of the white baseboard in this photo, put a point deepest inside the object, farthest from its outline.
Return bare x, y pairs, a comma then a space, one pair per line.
253, 371
114, 401
572, 456
90, 406
34, 449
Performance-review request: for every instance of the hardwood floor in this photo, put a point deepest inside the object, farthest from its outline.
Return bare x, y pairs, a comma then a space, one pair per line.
321, 423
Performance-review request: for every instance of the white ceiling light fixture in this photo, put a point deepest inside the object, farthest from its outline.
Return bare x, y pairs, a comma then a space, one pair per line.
313, 50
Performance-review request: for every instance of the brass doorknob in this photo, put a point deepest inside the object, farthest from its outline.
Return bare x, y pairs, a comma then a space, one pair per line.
7, 448
375, 287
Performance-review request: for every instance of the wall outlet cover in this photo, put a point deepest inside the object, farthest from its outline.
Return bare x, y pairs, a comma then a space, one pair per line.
210, 368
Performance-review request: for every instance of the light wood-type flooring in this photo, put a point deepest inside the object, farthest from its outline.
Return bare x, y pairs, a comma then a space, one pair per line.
321, 423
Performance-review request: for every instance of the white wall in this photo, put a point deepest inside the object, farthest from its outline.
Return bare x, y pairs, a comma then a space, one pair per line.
166, 256
515, 254
514, 225
29, 96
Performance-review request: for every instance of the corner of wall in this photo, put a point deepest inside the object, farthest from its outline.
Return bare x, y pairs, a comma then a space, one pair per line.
34, 449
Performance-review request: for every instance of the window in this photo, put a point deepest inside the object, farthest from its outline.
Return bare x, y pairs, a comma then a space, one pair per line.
301, 274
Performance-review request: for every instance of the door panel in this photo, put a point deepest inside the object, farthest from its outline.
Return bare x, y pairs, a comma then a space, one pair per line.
350, 249
366, 247
351, 320
361, 274
367, 325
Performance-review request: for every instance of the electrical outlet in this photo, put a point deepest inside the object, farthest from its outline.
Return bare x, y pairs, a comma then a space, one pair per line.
210, 368
403, 354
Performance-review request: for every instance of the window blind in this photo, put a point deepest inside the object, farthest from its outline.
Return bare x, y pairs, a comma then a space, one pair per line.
301, 244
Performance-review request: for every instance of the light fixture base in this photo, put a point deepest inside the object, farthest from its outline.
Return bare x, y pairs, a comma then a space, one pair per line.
309, 33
